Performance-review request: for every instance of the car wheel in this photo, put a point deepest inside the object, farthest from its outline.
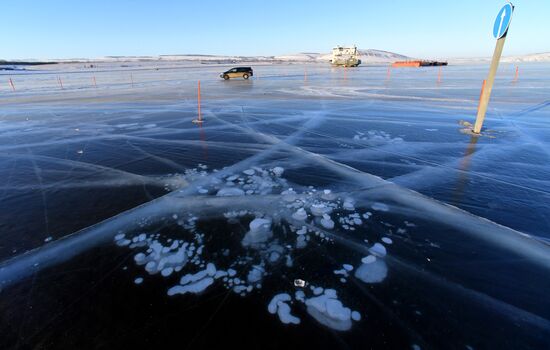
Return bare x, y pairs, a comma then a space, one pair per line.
226, 77
245, 76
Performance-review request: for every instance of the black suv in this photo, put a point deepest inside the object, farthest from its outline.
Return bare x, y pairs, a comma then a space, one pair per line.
238, 72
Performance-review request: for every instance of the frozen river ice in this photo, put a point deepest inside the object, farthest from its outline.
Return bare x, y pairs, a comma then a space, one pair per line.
315, 207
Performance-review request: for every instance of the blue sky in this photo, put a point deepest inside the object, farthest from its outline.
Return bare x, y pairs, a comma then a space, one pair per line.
420, 28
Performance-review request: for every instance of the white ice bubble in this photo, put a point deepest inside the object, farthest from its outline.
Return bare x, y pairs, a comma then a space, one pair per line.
378, 250
368, 259
300, 296
167, 271
374, 272
272, 306
196, 287
279, 305
278, 171
230, 192
318, 209
138, 280
387, 240
284, 314
220, 274
349, 204
329, 311
327, 222
300, 214
380, 207
260, 232
318, 290
255, 274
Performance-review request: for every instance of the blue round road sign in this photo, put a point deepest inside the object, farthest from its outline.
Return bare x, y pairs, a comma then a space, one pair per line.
502, 22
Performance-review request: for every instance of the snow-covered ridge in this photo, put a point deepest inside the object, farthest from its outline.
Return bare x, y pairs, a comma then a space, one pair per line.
368, 56
535, 57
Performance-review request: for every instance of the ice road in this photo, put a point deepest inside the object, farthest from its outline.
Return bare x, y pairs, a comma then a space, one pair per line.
315, 207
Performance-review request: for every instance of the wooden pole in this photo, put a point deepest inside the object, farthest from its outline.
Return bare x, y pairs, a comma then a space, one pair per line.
388, 74
486, 95
481, 94
439, 75
132, 79
94, 82
60, 82
517, 74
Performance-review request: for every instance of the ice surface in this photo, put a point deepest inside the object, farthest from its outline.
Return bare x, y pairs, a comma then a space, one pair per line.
337, 164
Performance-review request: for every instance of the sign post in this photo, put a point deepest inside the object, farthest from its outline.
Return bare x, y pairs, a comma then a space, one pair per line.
500, 30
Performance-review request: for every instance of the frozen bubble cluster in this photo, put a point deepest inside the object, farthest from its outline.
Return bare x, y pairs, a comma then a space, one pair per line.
375, 138
262, 223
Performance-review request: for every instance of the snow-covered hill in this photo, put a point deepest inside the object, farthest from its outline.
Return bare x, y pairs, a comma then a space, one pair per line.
536, 57
368, 56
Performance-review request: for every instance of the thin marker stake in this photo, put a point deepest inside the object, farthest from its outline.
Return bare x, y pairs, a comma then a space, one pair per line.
199, 120
388, 74
11, 84
94, 82
199, 101
439, 75
517, 74
60, 82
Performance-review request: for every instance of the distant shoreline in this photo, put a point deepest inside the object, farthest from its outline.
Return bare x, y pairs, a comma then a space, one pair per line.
5, 65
